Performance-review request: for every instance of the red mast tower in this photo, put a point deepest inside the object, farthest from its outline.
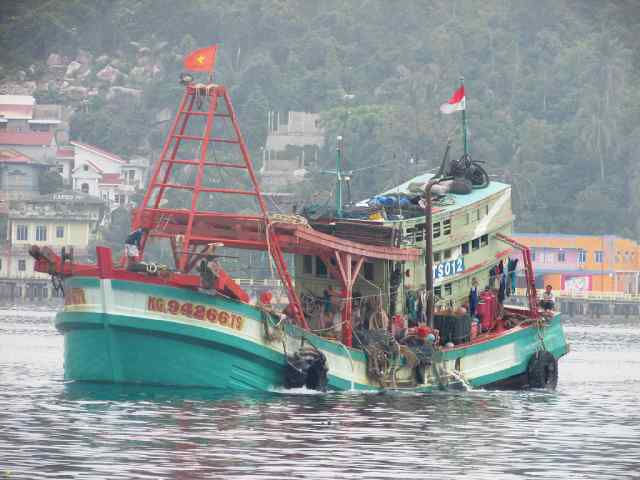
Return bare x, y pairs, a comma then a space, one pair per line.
205, 123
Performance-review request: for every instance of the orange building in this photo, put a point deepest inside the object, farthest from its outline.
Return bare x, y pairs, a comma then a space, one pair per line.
581, 263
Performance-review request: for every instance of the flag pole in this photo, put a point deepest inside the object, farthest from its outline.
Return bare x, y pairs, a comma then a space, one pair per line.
464, 121
339, 177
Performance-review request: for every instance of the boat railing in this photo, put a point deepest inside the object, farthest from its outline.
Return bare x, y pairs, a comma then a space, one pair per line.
590, 295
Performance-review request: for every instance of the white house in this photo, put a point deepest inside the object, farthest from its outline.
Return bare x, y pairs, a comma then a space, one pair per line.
107, 162
86, 178
106, 175
290, 148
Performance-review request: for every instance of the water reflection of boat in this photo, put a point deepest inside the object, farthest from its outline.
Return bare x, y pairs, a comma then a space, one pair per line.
368, 308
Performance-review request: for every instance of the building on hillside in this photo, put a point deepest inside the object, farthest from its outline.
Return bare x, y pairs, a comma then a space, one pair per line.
19, 174
65, 157
15, 112
291, 147
583, 263
21, 114
37, 131
65, 219
106, 175
39, 146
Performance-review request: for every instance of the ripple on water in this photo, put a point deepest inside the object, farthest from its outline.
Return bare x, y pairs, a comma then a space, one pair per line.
588, 428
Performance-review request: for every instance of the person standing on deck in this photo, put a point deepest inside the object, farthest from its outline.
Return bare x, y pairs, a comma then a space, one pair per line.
511, 269
502, 291
473, 297
132, 247
329, 306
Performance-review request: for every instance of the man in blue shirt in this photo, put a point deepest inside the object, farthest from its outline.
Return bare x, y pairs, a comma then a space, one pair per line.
473, 297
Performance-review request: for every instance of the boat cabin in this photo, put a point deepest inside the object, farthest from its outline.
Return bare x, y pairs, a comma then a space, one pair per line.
464, 242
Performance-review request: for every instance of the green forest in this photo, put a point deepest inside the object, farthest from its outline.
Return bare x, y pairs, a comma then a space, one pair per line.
552, 102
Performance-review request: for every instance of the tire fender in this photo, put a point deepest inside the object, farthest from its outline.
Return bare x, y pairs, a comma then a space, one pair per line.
543, 370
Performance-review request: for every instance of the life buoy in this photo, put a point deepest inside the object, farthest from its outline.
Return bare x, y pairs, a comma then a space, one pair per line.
543, 370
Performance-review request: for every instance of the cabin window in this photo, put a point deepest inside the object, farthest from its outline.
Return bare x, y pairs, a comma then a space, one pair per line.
410, 235
35, 127
478, 214
420, 232
465, 248
475, 244
437, 292
448, 289
486, 209
368, 270
561, 257
467, 218
41, 233
22, 265
446, 227
484, 240
307, 264
582, 256
447, 254
59, 231
437, 256
321, 268
599, 256
22, 232
436, 230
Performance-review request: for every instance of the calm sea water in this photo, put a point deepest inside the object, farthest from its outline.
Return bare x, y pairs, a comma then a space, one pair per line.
589, 428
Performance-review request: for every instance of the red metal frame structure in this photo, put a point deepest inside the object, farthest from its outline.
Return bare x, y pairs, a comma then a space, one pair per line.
530, 278
213, 95
197, 229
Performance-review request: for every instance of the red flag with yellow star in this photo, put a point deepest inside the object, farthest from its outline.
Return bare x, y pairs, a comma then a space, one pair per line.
202, 60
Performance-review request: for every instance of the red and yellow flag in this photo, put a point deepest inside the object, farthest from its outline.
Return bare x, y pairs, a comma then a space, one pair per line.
201, 60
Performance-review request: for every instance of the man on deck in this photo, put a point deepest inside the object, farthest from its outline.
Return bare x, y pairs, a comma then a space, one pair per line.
548, 300
132, 246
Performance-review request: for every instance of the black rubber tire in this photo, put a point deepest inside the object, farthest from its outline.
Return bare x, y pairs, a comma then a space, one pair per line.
543, 371
307, 368
478, 177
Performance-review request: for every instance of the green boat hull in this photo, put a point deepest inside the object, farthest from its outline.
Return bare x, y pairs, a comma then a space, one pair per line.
117, 331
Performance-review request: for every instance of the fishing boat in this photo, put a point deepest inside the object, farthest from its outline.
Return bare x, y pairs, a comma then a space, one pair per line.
377, 292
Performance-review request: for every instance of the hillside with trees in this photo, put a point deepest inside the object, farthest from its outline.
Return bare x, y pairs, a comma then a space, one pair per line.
552, 103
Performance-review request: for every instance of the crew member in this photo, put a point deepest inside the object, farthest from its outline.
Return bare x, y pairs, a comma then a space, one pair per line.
548, 300
132, 246
473, 297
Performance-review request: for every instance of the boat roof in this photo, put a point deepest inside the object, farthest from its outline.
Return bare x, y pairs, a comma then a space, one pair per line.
247, 232
459, 200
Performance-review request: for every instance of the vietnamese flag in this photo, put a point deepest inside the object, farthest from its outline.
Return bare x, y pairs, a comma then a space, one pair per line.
202, 60
455, 103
